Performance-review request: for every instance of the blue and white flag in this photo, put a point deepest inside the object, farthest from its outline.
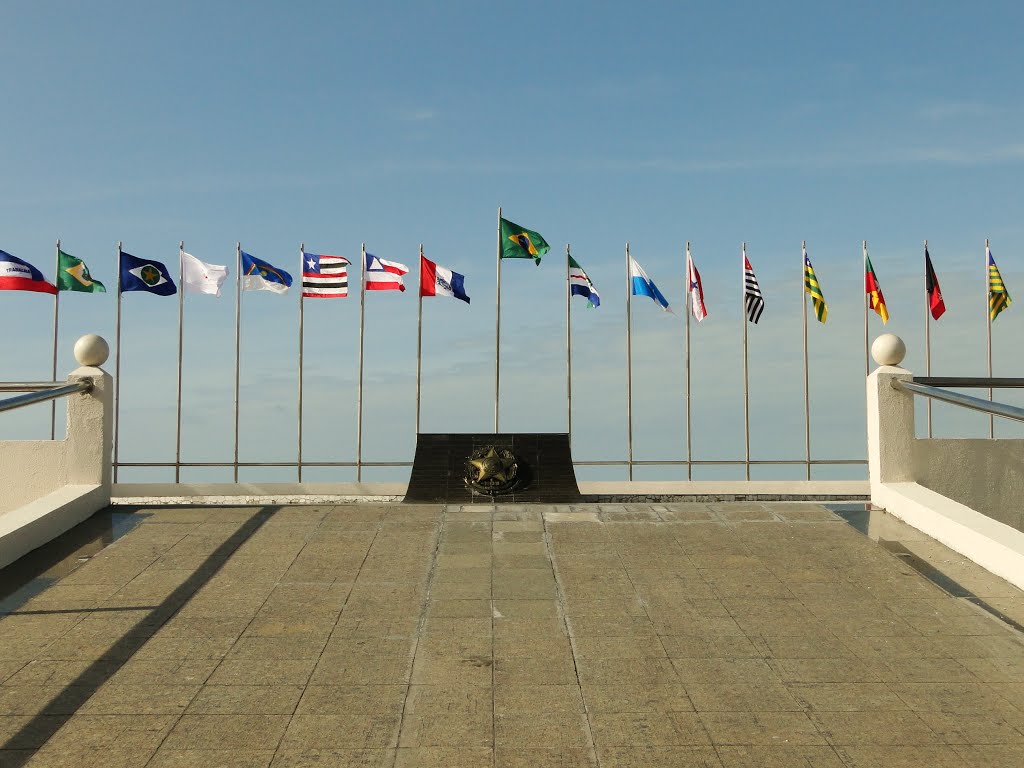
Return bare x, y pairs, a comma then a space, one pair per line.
145, 275
258, 275
580, 284
642, 285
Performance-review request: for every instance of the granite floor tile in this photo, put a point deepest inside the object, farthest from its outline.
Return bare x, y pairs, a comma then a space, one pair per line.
658, 757
462, 756
779, 757
625, 698
903, 757
350, 730
211, 758
648, 729
522, 699
760, 728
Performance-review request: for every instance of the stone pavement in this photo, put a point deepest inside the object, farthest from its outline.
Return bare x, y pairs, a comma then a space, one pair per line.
733, 635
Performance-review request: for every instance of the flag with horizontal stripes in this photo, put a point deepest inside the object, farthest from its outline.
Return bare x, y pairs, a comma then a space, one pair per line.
752, 297
383, 275
324, 277
873, 290
998, 296
812, 287
580, 284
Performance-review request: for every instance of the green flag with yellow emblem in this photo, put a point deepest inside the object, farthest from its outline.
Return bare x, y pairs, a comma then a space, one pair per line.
73, 275
521, 243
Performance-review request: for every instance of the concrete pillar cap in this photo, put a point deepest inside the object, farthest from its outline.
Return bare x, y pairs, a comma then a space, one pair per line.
92, 350
888, 349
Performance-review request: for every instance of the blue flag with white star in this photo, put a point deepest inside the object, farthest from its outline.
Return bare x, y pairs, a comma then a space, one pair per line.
145, 275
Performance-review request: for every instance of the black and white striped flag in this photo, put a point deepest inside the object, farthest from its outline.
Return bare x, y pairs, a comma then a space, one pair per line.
324, 277
752, 293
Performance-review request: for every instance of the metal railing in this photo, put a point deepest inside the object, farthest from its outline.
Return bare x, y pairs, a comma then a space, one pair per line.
39, 392
930, 387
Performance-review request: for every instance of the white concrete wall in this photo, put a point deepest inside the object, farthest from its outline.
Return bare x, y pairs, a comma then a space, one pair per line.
963, 493
985, 475
31, 469
49, 486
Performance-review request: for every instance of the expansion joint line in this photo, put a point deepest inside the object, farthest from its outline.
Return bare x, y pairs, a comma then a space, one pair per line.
560, 604
424, 605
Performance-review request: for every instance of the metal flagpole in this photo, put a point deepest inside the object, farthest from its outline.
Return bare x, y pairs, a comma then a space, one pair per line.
302, 264
864, 298
497, 331
238, 341
117, 366
686, 311
988, 338
629, 367
927, 341
746, 388
807, 407
56, 324
419, 341
177, 412
359, 390
568, 346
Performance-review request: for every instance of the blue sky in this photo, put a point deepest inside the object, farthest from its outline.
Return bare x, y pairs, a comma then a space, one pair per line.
595, 124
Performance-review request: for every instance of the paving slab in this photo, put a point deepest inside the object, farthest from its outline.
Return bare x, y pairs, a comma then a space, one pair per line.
680, 634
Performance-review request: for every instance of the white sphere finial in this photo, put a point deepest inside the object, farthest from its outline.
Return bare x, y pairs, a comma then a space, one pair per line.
92, 350
888, 349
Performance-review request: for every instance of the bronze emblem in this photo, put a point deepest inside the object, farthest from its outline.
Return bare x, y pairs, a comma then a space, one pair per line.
493, 471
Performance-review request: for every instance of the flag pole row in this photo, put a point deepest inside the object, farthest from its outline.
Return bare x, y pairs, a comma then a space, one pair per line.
326, 276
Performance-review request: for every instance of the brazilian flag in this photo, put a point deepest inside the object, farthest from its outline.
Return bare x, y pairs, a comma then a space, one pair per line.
521, 243
73, 275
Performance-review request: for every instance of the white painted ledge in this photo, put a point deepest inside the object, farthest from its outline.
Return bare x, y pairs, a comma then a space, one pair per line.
223, 494
44, 519
838, 489
992, 545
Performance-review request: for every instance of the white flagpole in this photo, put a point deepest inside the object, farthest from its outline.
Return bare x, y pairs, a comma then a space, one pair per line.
568, 347
117, 367
497, 331
238, 343
359, 390
988, 339
927, 341
302, 264
746, 389
687, 306
419, 341
56, 325
866, 301
807, 406
177, 410
629, 367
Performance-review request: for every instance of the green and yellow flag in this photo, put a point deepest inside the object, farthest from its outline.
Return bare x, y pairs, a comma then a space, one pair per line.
811, 286
73, 275
521, 243
998, 296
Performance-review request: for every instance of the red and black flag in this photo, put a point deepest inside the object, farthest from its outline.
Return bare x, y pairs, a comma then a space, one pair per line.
931, 286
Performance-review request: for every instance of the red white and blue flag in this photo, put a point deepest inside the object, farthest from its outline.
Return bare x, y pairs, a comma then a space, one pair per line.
18, 275
436, 280
384, 275
324, 277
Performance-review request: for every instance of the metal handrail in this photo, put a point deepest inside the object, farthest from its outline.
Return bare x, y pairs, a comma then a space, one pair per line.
969, 381
45, 395
965, 401
28, 386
